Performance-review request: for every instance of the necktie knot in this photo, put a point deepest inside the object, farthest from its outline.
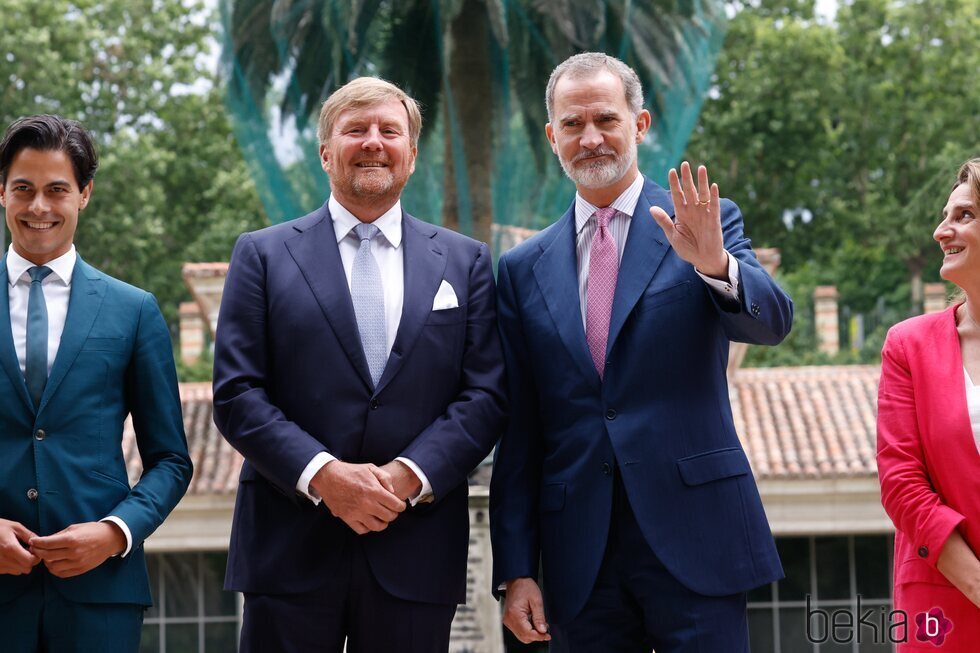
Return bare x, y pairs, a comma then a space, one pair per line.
39, 272
603, 216
365, 231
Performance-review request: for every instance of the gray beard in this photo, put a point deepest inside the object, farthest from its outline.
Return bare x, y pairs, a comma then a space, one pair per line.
599, 174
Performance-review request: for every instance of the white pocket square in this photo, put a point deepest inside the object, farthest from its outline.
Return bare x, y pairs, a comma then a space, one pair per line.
445, 297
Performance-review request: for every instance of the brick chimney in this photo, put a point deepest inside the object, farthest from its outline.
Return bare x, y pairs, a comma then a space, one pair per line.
935, 298
825, 311
192, 328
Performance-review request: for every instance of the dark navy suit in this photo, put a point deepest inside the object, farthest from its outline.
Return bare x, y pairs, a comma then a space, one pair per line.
63, 463
291, 380
655, 437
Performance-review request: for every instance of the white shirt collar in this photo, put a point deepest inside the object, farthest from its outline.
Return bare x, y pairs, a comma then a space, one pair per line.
390, 223
61, 267
625, 204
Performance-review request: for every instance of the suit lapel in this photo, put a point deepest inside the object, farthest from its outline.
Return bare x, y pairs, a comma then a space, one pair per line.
8, 354
316, 254
424, 264
646, 246
84, 302
557, 277
947, 366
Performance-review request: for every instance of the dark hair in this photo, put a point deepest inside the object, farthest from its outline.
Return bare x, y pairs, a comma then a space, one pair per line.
47, 132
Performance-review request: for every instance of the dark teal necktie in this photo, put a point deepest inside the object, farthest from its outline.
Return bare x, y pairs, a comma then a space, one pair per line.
36, 369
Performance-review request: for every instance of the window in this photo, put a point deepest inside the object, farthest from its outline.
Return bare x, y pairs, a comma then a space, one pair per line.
832, 573
191, 611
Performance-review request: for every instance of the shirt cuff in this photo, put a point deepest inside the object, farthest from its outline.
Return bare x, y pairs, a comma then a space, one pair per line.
729, 288
426, 490
315, 465
125, 529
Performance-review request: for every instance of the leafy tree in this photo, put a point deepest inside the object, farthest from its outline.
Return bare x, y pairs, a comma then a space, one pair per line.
172, 185
461, 59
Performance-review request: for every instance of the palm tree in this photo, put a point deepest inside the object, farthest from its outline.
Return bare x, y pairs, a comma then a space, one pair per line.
479, 69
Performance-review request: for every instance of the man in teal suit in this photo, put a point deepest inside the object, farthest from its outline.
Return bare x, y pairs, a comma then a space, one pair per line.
79, 351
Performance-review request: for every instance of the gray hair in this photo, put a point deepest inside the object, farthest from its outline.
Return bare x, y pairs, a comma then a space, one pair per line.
587, 64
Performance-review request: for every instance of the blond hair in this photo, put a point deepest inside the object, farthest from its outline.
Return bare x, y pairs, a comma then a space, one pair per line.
364, 92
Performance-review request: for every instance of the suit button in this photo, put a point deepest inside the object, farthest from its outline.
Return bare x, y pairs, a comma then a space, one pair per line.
32, 494
610, 414
374, 404
923, 552
39, 434
606, 469
755, 308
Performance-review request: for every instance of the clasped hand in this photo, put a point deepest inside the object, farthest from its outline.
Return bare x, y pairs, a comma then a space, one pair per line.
70, 552
695, 233
366, 497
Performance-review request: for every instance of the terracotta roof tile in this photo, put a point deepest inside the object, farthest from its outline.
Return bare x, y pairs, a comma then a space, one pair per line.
808, 422
794, 422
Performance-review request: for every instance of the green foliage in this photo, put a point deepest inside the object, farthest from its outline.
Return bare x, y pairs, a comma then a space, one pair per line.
840, 141
199, 371
172, 185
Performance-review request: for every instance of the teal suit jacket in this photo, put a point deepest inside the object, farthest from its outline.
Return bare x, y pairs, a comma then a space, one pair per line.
115, 359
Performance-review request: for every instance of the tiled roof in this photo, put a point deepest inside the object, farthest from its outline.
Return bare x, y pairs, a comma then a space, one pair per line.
216, 464
807, 422
794, 422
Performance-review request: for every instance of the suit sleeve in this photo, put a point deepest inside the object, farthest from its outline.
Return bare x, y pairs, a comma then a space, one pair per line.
906, 491
764, 315
517, 463
243, 411
453, 445
154, 403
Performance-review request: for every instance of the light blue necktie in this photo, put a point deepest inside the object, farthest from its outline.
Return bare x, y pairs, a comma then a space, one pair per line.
369, 302
36, 368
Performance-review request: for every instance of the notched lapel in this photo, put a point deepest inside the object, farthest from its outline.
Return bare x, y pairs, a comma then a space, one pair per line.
316, 254
8, 354
424, 263
87, 292
557, 277
646, 246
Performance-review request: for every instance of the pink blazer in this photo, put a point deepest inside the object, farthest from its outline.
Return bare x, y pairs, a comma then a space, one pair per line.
928, 462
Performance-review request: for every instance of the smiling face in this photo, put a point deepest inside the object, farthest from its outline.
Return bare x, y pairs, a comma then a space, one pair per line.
594, 133
959, 236
42, 200
369, 157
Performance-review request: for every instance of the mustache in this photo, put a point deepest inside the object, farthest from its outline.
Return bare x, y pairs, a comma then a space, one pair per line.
591, 154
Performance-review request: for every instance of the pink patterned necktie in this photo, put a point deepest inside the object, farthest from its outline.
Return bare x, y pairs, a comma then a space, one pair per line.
601, 288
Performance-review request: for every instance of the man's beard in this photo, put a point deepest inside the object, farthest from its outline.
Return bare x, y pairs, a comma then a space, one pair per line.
599, 173
373, 186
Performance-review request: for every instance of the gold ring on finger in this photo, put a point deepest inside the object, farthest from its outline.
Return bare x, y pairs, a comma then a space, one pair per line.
704, 203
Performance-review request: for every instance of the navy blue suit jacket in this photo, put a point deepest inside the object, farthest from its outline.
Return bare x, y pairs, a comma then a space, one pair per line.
114, 359
661, 415
291, 380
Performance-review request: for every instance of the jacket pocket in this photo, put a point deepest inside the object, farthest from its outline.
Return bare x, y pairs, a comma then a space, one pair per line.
453, 315
673, 293
111, 479
713, 465
552, 497
115, 345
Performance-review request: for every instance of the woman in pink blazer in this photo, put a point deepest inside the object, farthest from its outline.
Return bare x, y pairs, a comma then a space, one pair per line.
929, 444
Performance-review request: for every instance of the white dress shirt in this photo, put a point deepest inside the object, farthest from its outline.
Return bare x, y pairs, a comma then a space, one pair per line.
57, 291
973, 406
619, 227
390, 256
